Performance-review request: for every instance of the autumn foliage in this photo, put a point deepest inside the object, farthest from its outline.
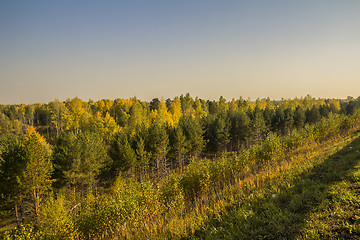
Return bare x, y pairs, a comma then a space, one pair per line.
131, 169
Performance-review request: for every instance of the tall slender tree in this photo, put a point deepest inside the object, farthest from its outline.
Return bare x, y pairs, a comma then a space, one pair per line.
240, 128
12, 164
258, 125
158, 146
194, 133
299, 117
178, 147
35, 178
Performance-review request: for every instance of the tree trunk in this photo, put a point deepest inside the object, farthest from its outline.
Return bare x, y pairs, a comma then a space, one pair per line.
36, 203
18, 218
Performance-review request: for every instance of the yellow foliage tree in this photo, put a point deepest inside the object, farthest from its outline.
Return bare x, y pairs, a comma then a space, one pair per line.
35, 179
175, 110
105, 126
73, 114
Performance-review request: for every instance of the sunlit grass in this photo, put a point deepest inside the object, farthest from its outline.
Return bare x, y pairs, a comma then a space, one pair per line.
314, 198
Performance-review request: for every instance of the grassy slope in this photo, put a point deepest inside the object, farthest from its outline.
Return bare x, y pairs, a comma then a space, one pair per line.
317, 198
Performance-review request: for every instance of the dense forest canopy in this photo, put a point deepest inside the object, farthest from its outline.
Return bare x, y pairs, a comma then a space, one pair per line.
78, 150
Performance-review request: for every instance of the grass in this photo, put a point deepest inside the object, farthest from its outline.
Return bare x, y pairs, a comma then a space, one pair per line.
317, 197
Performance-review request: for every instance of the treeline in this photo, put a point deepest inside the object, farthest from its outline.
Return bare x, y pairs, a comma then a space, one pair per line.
78, 150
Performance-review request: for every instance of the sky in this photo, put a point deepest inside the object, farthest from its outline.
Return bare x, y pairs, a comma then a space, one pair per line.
164, 48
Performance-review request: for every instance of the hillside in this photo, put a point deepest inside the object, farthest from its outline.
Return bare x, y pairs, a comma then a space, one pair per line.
180, 169
317, 199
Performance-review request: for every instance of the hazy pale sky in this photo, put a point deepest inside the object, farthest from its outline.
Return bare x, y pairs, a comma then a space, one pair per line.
153, 48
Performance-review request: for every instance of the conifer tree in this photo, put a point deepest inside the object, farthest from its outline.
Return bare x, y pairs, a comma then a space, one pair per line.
240, 128
35, 178
79, 159
278, 119
120, 109
288, 121
154, 104
187, 104
299, 117
142, 156
178, 147
157, 144
194, 133
218, 133
12, 163
258, 126
268, 114
312, 115
122, 154
222, 127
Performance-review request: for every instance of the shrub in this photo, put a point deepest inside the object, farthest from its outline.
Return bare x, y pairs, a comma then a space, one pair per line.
270, 149
171, 192
130, 202
23, 232
196, 179
55, 221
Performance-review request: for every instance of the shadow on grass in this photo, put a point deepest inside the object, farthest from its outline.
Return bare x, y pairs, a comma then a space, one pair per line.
281, 212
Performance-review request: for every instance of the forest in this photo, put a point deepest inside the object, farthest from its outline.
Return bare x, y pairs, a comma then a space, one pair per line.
164, 169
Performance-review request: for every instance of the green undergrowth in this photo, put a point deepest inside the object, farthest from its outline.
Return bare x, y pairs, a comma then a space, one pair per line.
301, 186
319, 198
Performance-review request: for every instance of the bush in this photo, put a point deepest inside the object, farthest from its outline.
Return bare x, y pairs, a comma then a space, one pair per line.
55, 221
171, 192
24, 232
130, 202
270, 149
294, 141
196, 179
221, 170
